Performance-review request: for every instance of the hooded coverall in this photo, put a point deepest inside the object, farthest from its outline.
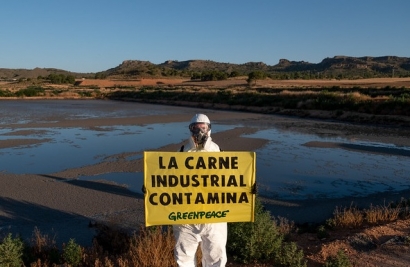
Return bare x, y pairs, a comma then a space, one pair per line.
213, 236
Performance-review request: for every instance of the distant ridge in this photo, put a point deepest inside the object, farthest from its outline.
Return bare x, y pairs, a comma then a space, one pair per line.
336, 66
16, 74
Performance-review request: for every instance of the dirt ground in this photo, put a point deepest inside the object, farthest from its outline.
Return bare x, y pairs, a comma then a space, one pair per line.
377, 246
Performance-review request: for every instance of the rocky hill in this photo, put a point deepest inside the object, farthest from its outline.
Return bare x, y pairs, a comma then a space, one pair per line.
16, 74
344, 66
336, 67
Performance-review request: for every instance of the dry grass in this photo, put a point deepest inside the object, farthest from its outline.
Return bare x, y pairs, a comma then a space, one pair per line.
379, 214
285, 226
352, 217
150, 247
347, 217
43, 248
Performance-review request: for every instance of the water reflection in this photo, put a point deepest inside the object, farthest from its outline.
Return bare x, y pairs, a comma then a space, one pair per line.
290, 166
77, 147
289, 169
47, 110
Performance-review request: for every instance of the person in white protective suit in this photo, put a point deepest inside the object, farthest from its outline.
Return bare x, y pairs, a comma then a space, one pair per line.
213, 236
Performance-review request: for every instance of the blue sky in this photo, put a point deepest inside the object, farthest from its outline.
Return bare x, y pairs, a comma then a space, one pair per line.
95, 35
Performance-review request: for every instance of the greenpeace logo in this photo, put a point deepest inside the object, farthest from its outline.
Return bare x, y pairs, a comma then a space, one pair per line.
175, 216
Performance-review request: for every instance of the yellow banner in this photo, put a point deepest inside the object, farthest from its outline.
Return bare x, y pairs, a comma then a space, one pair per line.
199, 187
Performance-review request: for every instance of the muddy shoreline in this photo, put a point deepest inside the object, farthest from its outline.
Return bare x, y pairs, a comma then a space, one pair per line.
59, 203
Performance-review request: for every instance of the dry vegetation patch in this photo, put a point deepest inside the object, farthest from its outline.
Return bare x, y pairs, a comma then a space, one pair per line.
384, 245
375, 82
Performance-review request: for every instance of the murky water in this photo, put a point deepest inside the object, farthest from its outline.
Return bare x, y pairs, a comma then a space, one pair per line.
286, 167
289, 169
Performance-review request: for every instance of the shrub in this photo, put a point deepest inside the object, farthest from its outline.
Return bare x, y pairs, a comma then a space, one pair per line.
406, 240
5, 93
261, 241
340, 260
322, 232
11, 251
31, 91
57, 91
291, 255
72, 253
85, 93
254, 241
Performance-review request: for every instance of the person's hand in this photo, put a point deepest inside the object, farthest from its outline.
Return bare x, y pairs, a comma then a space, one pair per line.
254, 189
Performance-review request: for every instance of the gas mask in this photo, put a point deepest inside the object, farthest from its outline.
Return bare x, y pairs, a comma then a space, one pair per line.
199, 133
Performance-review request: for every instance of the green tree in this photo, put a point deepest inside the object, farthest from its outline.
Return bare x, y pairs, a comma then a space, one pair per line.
70, 79
100, 75
196, 76
11, 252
72, 253
234, 74
254, 76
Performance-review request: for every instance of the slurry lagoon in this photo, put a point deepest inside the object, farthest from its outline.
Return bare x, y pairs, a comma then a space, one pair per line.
287, 167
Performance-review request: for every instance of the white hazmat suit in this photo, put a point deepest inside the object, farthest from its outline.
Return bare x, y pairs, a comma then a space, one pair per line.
212, 236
